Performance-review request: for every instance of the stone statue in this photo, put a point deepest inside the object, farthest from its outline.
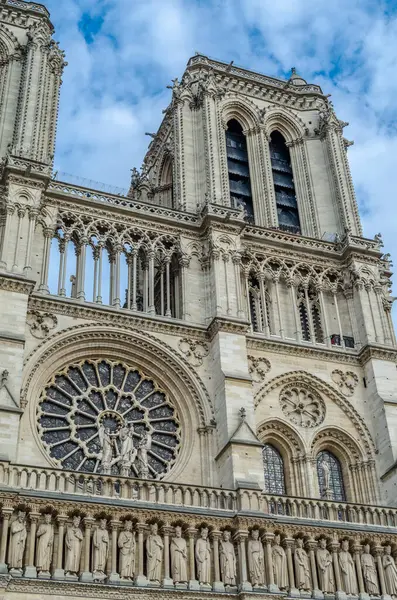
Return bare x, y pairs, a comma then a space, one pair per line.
17, 542
127, 547
45, 542
203, 557
100, 542
326, 473
369, 572
154, 551
302, 567
390, 572
144, 445
325, 570
73, 541
256, 564
107, 441
128, 452
347, 570
228, 560
279, 564
179, 557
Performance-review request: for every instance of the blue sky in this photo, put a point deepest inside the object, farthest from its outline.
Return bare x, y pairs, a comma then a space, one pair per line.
123, 53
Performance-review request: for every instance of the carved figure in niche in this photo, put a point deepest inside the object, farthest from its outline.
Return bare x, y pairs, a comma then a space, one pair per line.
100, 541
390, 572
107, 441
203, 557
179, 557
279, 564
325, 570
128, 452
228, 560
17, 542
369, 572
127, 547
256, 564
45, 542
154, 551
302, 567
73, 541
347, 570
144, 445
326, 473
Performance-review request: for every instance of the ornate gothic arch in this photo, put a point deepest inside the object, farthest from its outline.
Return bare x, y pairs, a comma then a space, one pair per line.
138, 349
8, 42
339, 442
285, 121
304, 378
241, 109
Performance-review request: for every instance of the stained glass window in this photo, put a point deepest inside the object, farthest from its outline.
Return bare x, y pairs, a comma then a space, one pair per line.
330, 477
274, 470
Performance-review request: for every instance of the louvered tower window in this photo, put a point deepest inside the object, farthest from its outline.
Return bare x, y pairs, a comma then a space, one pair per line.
273, 470
309, 308
238, 168
287, 206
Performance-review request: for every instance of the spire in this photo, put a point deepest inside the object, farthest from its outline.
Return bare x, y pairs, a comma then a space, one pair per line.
296, 79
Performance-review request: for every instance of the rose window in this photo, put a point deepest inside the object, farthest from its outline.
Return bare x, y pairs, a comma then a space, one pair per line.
302, 406
104, 417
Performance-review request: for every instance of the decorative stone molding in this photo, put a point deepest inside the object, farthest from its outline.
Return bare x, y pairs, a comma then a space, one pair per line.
12, 283
258, 367
302, 405
346, 382
41, 324
193, 350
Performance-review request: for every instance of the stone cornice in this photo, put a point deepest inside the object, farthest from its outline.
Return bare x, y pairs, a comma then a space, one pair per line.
228, 325
376, 351
16, 283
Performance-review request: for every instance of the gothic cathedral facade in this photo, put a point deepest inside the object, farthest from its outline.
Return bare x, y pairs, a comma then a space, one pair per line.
198, 382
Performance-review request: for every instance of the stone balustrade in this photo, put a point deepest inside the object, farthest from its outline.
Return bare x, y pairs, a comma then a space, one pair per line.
53, 482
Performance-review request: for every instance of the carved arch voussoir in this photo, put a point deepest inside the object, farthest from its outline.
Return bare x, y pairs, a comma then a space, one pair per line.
339, 442
241, 109
283, 436
285, 121
304, 378
8, 41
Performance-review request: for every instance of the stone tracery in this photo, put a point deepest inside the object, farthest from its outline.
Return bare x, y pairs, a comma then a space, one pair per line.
302, 406
99, 416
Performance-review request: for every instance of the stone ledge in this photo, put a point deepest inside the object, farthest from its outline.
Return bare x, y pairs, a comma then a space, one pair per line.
12, 282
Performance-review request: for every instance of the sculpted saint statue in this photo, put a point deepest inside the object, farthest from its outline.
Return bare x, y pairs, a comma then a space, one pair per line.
390, 572
302, 567
256, 564
100, 542
45, 542
203, 557
107, 441
179, 557
127, 452
279, 564
369, 572
17, 541
127, 547
347, 570
228, 560
325, 570
73, 541
154, 551
144, 445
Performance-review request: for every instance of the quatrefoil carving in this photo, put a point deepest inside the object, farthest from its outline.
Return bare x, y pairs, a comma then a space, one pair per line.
346, 382
259, 367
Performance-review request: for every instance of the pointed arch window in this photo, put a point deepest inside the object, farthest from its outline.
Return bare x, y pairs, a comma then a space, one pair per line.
310, 314
330, 477
273, 467
286, 203
259, 311
238, 169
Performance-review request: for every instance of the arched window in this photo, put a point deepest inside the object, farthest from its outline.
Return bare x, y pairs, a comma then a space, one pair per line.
330, 478
287, 206
238, 168
274, 470
259, 313
309, 314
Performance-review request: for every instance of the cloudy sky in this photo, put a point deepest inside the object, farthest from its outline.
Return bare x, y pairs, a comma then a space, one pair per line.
123, 53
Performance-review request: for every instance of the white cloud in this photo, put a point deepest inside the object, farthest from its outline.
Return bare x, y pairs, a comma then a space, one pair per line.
114, 88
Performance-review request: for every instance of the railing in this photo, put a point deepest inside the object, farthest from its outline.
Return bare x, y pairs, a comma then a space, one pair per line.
28, 6
56, 481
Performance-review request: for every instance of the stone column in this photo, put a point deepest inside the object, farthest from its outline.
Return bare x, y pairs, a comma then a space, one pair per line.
357, 548
140, 578
167, 581
33, 214
218, 585
30, 570
193, 583
81, 270
236, 258
114, 576
59, 572
21, 214
10, 208
86, 575
48, 234
340, 594
245, 585
6, 513
289, 544
311, 546
267, 540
